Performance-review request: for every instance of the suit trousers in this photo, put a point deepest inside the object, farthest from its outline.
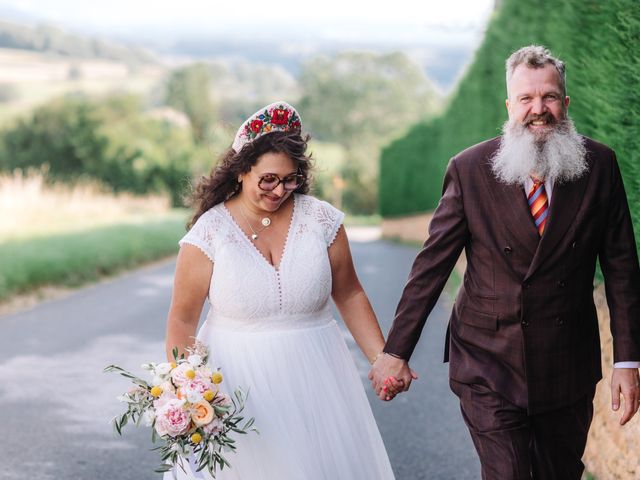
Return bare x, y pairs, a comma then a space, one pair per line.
513, 445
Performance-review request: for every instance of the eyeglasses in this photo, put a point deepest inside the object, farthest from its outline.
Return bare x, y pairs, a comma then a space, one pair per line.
270, 181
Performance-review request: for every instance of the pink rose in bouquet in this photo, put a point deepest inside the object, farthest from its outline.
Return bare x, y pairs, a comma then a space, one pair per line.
172, 419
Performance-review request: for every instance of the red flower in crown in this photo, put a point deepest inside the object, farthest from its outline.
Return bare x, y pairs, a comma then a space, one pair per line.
256, 126
279, 116
295, 125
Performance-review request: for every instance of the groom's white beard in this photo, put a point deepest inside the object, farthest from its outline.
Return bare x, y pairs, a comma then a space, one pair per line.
558, 156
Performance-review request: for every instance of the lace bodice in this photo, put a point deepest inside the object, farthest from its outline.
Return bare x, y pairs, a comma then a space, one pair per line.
246, 290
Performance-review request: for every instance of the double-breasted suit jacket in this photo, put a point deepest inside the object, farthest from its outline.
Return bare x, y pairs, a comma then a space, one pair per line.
524, 322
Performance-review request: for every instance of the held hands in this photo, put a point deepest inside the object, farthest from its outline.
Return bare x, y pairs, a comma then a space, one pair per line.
390, 375
627, 382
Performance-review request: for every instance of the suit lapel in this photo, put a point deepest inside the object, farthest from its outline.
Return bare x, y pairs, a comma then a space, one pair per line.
513, 211
565, 203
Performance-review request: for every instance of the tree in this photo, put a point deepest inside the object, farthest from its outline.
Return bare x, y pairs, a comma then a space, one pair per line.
358, 94
110, 140
363, 101
188, 90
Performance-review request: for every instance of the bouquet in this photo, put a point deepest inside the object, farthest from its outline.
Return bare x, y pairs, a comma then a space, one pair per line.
186, 410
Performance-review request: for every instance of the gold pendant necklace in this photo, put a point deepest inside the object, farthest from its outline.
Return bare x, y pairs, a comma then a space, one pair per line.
266, 221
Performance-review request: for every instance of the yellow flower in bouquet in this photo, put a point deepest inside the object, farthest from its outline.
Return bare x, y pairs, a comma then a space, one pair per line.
216, 378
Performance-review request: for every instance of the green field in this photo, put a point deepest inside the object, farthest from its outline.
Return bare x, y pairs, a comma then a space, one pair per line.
70, 259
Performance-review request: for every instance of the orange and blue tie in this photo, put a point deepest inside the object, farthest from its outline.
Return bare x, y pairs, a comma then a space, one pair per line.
538, 204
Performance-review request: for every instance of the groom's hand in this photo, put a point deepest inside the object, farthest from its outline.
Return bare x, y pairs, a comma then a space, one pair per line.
390, 375
625, 381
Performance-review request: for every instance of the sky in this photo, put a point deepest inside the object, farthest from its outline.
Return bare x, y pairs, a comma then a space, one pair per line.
398, 21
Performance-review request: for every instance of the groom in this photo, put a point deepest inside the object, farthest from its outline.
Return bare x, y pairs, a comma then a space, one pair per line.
534, 209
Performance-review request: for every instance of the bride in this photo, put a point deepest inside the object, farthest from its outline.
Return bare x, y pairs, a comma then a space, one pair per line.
268, 257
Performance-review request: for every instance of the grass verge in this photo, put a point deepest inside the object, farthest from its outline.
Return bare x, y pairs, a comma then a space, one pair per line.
70, 259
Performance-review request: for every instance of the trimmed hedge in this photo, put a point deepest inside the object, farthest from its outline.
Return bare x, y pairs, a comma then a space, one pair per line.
598, 40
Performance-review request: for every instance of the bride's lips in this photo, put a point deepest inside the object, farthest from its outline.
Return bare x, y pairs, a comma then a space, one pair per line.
272, 199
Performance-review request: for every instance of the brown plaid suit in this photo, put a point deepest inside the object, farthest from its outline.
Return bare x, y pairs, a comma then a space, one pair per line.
524, 323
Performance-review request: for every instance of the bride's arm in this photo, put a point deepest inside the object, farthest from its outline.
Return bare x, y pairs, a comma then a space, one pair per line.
190, 289
351, 300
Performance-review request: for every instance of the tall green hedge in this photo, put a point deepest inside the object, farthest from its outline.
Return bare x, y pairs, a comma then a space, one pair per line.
600, 42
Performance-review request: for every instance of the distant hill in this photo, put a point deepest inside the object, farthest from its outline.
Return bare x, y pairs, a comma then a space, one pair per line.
442, 64
48, 39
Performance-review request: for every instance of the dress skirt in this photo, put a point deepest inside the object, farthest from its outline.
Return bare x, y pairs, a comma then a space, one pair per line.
308, 401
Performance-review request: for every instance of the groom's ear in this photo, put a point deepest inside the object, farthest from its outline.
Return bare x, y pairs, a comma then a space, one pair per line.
506, 104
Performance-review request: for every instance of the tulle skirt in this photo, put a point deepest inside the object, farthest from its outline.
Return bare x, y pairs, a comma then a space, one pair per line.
308, 401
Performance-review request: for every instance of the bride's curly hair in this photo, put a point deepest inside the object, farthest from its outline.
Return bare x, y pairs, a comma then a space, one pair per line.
222, 183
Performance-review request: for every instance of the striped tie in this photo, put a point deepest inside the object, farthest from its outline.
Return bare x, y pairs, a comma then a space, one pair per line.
538, 204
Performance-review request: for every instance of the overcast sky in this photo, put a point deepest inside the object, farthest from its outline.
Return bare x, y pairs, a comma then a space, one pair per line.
397, 21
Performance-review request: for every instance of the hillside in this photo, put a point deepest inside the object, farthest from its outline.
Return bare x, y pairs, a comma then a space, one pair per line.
52, 40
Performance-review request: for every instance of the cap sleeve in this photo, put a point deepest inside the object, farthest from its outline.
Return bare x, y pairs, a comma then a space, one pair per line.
330, 219
203, 234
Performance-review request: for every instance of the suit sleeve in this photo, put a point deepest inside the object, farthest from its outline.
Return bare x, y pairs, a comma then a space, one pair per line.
448, 234
619, 263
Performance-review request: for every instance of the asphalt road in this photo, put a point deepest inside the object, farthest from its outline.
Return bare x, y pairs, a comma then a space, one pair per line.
55, 402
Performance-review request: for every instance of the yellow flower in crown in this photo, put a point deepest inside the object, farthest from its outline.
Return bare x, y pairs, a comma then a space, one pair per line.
276, 117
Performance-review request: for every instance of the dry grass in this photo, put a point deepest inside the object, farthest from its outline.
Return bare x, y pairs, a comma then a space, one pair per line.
30, 207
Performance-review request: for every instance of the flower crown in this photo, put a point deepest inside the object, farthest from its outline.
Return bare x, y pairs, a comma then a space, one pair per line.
277, 117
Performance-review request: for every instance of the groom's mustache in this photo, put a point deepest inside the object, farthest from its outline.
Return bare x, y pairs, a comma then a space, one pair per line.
546, 117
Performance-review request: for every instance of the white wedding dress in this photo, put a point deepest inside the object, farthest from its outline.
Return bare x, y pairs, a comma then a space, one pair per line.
272, 332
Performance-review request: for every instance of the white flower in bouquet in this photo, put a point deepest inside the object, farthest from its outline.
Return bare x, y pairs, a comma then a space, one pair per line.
193, 396
195, 360
148, 417
163, 369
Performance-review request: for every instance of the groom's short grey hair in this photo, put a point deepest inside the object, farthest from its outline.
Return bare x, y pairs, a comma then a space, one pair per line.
535, 56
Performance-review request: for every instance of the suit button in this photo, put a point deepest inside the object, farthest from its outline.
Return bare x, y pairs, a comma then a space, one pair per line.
560, 321
508, 250
525, 323
561, 284
574, 245
526, 284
